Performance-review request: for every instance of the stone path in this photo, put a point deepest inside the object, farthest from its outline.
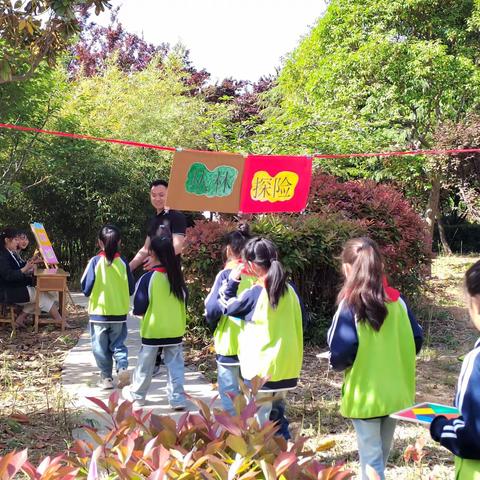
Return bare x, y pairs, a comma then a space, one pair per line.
80, 375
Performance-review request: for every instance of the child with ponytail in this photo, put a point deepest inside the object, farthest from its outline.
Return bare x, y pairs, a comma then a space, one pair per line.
272, 340
228, 329
160, 297
462, 435
374, 338
108, 282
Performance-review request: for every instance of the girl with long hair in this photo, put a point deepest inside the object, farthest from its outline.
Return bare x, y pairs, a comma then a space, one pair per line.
160, 297
272, 341
108, 283
374, 338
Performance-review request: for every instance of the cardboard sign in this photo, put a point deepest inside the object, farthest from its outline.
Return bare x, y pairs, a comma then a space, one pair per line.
44, 244
202, 181
275, 184
426, 412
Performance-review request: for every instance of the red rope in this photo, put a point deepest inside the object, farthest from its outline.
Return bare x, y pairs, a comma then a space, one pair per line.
172, 149
398, 154
86, 137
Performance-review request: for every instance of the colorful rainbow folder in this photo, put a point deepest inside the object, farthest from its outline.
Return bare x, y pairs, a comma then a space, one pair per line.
425, 413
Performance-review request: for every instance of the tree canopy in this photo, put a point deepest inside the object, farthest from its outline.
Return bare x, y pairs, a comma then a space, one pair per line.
37, 30
378, 75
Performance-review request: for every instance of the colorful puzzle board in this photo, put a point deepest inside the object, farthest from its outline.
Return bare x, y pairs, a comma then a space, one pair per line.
425, 413
44, 244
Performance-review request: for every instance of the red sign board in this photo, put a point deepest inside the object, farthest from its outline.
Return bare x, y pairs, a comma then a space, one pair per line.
275, 183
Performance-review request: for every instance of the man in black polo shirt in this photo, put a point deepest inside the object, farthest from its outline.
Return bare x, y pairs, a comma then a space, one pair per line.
169, 222
172, 221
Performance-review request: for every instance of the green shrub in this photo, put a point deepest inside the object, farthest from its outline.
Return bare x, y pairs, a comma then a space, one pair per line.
387, 217
310, 243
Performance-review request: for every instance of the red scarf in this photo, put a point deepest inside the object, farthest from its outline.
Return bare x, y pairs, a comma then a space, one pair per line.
392, 293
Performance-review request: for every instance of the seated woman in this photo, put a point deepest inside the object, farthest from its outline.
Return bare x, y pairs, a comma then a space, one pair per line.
22, 245
16, 281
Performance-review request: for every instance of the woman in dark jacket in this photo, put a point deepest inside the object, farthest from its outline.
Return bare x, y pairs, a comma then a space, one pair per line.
16, 281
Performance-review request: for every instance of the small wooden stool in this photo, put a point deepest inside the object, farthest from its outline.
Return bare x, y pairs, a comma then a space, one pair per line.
7, 315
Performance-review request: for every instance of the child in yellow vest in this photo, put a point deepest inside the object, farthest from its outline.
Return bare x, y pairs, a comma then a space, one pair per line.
374, 337
272, 342
462, 435
108, 282
226, 329
159, 298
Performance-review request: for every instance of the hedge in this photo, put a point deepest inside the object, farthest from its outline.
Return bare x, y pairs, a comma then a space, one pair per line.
310, 244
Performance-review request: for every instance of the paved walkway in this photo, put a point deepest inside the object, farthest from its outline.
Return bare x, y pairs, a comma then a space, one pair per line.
80, 375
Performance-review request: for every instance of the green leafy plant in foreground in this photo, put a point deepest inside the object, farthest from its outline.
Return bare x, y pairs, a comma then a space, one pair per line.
210, 444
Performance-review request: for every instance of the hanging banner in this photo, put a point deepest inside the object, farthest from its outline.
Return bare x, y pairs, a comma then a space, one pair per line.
202, 181
275, 184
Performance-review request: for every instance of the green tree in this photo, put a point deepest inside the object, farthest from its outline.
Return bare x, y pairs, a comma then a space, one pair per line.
379, 75
36, 30
32, 103
85, 184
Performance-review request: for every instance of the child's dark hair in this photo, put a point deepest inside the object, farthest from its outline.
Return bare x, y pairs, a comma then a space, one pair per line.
363, 290
7, 232
264, 253
472, 279
237, 239
110, 237
163, 249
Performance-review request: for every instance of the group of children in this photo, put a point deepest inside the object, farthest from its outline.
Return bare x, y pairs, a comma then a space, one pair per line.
159, 298
258, 319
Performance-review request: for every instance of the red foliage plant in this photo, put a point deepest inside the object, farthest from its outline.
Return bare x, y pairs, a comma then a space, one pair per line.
387, 216
205, 445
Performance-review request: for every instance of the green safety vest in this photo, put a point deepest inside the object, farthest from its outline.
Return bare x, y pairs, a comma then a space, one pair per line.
381, 380
228, 330
467, 469
271, 345
110, 294
165, 316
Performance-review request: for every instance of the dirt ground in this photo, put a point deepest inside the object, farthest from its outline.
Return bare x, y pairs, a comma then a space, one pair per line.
35, 413
34, 410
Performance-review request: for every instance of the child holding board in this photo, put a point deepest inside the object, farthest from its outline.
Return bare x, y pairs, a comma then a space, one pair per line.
462, 435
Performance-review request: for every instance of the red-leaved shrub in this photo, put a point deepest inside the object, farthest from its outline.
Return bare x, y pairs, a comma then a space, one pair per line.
388, 218
310, 243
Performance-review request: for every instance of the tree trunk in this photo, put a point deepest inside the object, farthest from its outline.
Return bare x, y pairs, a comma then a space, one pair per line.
443, 238
433, 203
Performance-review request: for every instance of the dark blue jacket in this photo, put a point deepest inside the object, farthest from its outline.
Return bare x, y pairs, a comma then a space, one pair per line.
462, 435
13, 282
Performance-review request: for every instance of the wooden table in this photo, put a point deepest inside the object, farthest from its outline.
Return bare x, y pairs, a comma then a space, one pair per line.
51, 280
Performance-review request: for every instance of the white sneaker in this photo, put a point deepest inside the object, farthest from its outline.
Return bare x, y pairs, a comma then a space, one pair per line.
127, 395
105, 383
123, 378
